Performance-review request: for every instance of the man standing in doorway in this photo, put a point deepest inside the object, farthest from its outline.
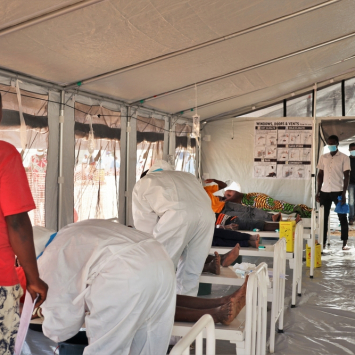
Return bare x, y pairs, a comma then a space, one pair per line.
333, 181
351, 188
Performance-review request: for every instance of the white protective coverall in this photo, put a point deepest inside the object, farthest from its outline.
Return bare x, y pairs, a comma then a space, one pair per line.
174, 207
122, 278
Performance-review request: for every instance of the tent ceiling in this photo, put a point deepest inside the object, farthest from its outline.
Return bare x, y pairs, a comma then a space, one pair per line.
285, 76
114, 34
16, 11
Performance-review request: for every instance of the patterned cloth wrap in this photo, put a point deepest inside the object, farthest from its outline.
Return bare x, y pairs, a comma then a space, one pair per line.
267, 203
224, 219
9, 317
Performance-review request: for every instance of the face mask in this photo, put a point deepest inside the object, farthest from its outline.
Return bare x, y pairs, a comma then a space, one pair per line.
332, 148
352, 153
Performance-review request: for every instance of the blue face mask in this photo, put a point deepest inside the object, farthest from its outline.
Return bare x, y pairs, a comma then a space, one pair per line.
352, 153
332, 148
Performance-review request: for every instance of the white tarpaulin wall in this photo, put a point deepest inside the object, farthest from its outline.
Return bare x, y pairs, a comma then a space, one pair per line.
230, 155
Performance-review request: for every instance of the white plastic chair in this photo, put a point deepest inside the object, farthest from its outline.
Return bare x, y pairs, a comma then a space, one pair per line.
196, 333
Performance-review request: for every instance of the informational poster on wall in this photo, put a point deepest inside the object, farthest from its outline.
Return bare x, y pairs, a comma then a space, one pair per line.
283, 149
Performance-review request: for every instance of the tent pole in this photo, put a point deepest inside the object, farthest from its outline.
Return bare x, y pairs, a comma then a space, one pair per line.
199, 158
128, 132
61, 177
313, 219
48, 16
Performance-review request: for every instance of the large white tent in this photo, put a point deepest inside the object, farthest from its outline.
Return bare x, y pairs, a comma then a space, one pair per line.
158, 58
239, 53
140, 69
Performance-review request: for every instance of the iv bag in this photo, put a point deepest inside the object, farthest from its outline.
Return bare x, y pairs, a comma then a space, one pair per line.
196, 126
91, 143
91, 140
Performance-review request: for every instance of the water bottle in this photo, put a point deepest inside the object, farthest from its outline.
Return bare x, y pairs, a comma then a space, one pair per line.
341, 209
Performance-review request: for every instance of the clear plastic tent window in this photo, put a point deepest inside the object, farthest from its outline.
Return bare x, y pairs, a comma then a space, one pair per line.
96, 174
34, 156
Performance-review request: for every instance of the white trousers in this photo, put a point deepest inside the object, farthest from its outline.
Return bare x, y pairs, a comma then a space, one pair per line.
188, 240
132, 304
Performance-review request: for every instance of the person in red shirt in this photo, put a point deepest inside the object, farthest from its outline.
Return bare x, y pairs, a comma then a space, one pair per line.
16, 238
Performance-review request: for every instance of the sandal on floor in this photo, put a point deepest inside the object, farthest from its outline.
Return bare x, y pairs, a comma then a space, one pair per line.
346, 248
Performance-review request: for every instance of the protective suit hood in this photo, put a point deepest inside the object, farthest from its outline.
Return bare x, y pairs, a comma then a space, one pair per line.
161, 165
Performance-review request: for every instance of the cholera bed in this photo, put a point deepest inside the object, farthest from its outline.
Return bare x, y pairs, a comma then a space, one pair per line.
196, 334
307, 235
276, 289
248, 330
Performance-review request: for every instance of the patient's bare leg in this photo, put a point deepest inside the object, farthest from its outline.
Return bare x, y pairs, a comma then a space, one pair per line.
254, 240
213, 262
230, 257
223, 310
271, 226
214, 265
206, 303
223, 314
277, 217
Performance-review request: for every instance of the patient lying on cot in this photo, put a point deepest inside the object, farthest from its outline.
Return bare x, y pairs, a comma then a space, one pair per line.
223, 309
255, 199
190, 309
226, 221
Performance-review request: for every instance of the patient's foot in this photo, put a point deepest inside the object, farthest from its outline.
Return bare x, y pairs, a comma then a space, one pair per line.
239, 293
226, 313
230, 257
276, 217
214, 266
254, 241
239, 297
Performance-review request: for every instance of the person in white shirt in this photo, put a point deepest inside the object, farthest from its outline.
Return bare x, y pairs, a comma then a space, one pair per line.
333, 180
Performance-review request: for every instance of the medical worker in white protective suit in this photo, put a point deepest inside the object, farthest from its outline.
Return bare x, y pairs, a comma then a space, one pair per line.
122, 278
174, 207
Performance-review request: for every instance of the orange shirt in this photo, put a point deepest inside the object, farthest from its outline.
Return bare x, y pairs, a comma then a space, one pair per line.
217, 205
